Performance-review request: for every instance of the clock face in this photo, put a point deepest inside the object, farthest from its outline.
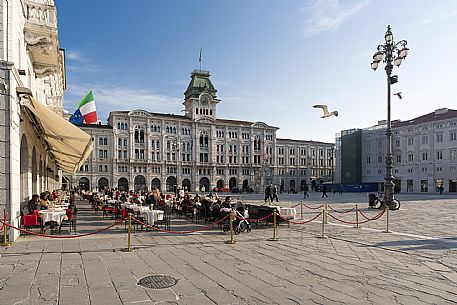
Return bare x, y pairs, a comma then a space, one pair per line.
204, 101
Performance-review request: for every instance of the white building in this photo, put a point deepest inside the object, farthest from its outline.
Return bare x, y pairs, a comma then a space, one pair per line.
424, 153
32, 82
139, 150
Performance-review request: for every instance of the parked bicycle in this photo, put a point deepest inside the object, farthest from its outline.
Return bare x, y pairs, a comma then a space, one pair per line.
377, 201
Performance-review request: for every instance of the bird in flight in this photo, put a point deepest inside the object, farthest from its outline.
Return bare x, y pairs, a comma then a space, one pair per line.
326, 113
399, 95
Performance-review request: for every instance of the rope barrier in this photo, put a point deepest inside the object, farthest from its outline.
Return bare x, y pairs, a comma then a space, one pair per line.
360, 222
294, 206
316, 208
254, 220
374, 218
180, 232
58, 236
300, 222
341, 212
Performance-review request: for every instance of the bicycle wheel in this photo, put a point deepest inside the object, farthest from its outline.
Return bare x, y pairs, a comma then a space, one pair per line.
377, 204
395, 205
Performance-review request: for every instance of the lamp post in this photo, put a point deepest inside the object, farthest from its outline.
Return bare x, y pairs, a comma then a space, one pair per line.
391, 54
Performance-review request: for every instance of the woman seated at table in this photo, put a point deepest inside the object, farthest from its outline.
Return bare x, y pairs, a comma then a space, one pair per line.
44, 201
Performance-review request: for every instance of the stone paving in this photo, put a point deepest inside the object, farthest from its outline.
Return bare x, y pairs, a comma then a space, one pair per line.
415, 264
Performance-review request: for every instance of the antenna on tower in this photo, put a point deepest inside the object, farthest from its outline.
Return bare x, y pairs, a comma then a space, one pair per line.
200, 57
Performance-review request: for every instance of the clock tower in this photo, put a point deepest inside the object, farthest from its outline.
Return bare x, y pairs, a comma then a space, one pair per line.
200, 98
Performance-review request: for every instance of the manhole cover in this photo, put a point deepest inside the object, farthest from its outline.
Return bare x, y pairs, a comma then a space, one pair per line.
157, 281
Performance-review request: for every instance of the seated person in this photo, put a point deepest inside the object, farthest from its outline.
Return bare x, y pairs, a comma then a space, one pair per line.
34, 204
44, 202
227, 202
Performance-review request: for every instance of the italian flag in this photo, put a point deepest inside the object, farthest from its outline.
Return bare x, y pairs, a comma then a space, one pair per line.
87, 108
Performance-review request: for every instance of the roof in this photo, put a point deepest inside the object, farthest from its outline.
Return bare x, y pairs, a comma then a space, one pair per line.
199, 82
99, 126
437, 115
302, 141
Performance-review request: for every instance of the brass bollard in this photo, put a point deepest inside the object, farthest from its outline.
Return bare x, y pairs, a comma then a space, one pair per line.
301, 209
326, 214
323, 224
5, 228
232, 214
129, 233
356, 216
387, 220
274, 226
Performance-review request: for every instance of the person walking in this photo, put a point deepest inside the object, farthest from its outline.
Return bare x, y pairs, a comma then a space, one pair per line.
341, 189
275, 194
268, 193
324, 191
305, 191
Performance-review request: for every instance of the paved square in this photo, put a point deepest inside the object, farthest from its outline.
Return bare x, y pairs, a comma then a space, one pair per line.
415, 264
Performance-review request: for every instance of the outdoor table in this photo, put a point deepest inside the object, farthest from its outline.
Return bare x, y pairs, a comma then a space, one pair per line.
287, 213
152, 216
52, 215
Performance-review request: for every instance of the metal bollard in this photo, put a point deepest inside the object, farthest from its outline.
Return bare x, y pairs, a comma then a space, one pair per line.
323, 224
326, 214
301, 209
231, 218
129, 233
274, 226
356, 216
387, 220
5, 228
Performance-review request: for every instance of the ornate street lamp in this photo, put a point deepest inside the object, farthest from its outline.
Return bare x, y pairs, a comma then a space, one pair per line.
391, 54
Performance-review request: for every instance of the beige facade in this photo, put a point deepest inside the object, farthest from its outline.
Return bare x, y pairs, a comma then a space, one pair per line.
139, 150
31, 61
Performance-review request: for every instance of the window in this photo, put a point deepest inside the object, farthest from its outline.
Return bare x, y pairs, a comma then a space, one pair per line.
439, 155
368, 160
379, 159
439, 169
397, 143
398, 158
453, 153
410, 141
439, 138
453, 136
410, 157
424, 156
424, 139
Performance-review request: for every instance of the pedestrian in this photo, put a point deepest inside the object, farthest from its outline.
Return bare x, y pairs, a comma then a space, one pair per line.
441, 188
203, 188
341, 189
268, 193
324, 191
305, 191
275, 194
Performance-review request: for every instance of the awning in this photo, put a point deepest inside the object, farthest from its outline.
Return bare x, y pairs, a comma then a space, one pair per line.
69, 145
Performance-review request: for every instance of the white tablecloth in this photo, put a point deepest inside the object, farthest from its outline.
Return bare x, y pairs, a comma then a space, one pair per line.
152, 216
48, 215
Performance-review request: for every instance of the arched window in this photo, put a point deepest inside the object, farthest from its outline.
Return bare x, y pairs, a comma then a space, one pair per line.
174, 129
125, 142
119, 142
141, 135
105, 141
201, 140
100, 141
206, 141
118, 125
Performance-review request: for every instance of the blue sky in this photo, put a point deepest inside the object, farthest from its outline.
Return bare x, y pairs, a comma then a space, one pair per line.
270, 60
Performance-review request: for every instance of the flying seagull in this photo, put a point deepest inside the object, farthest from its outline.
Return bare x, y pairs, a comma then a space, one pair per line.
326, 113
399, 95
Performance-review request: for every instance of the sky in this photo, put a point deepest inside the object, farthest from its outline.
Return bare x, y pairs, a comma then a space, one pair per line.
270, 60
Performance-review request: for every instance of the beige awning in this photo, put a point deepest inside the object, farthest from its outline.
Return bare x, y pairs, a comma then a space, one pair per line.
69, 145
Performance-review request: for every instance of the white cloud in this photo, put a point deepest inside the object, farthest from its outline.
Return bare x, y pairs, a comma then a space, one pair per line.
329, 15
73, 55
116, 98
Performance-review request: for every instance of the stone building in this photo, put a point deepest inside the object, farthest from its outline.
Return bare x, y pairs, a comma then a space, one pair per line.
33, 152
139, 150
424, 153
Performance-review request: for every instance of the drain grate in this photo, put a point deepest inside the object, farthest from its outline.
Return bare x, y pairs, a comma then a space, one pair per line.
158, 281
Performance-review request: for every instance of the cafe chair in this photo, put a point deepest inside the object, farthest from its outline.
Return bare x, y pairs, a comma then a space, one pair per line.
69, 220
29, 222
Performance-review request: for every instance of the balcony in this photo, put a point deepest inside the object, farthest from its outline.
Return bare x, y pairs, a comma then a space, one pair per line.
40, 34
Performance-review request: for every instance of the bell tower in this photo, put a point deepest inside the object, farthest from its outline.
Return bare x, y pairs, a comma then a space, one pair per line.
200, 98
